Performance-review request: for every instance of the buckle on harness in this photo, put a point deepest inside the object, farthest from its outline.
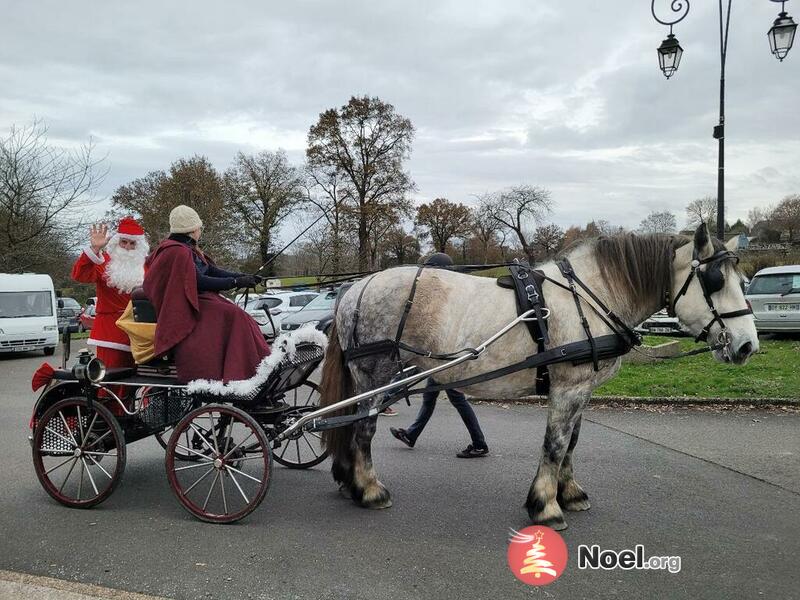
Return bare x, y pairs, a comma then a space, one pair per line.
533, 296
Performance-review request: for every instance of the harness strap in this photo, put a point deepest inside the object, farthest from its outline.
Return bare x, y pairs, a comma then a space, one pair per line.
528, 292
370, 349
357, 311
633, 337
580, 352
528, 288
409, 304
716, 317
566, 270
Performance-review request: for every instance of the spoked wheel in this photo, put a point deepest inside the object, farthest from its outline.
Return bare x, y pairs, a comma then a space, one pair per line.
229, 478
307, 450
78, 452
189, 439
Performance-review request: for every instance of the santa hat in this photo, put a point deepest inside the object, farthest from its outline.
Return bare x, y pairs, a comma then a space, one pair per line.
130, 229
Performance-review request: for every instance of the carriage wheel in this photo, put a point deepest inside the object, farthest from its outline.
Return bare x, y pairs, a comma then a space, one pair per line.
78, 452
190, 439
162, 437
229, 478
307, 450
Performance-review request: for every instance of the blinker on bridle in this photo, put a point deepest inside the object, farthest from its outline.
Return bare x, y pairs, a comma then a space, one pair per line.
711, 280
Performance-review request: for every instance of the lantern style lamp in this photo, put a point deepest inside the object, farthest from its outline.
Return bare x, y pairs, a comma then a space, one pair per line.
781, 34
669, 55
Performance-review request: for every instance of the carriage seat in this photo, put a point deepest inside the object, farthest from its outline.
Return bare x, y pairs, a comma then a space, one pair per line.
143, 309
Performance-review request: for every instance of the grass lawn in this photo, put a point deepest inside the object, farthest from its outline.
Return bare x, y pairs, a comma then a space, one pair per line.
772, 373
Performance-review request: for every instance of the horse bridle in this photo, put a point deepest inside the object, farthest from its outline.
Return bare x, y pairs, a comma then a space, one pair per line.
711, 280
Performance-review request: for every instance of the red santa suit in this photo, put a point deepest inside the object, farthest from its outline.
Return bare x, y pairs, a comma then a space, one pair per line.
111, 343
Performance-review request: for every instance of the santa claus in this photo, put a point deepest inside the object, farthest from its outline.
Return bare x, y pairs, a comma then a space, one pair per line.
115, 264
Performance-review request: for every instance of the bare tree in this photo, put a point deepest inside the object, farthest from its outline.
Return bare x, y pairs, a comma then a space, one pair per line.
759, 214
518, 210
44, 192
379, 224
702, 210
326, 191
659, 222
548, 240
485, 228
365, 142
786, 216
444, 221
264, 189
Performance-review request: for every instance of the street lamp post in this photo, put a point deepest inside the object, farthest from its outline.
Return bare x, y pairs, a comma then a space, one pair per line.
781, 38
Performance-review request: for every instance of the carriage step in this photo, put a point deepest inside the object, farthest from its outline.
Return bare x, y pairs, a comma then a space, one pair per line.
269, 409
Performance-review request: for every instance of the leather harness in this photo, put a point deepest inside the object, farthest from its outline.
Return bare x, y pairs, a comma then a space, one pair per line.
527, 285
711, 280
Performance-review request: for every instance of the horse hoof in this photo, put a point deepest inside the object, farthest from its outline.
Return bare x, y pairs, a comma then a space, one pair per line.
379, 505
557, 525
376, 497
548, 514
577, 504
572, 498
345, 492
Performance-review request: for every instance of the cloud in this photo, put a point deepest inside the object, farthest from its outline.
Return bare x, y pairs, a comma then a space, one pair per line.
501, 93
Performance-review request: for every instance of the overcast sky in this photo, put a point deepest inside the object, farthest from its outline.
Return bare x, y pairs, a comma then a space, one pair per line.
562, 95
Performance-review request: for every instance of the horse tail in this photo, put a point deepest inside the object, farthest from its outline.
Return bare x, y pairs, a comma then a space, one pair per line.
336, 385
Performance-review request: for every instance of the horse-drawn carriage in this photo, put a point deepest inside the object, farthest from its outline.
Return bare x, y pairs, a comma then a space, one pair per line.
87, 415
220, 450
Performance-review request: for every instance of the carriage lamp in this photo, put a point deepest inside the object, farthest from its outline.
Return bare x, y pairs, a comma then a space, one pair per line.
89, 368
781, 34
669, 55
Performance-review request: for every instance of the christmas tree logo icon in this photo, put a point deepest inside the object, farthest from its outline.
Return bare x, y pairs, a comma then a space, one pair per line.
537, 555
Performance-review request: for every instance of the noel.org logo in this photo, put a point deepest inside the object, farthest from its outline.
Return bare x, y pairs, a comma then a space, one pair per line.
537, 555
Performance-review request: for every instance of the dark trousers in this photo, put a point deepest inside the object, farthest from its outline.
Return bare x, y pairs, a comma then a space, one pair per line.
459, 401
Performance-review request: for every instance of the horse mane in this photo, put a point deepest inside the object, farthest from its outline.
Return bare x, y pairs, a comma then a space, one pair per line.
640, 264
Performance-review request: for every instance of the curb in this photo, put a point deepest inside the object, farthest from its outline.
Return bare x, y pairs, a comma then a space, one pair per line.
33, 587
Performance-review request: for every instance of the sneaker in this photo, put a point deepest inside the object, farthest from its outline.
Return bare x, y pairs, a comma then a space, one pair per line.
473, 452
389, 412
402, 435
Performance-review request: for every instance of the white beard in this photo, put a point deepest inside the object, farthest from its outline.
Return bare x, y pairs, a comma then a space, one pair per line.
125, 270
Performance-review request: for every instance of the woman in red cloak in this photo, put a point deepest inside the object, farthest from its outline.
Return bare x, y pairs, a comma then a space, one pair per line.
210, 337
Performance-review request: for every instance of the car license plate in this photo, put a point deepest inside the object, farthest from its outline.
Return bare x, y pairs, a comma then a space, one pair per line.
783, 307
23, 348
661, 330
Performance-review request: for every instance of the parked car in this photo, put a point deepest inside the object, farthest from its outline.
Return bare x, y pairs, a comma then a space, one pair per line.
318, 310
662, 324
279, 305
774, 297
87, 318
69, 311
28, 309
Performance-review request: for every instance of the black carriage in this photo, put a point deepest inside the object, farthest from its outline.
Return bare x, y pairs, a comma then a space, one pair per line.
219, 448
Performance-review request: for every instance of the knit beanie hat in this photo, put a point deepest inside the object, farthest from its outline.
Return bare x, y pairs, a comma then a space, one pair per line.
183, 219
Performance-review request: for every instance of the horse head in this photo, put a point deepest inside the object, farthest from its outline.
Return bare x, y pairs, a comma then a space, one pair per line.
707, 296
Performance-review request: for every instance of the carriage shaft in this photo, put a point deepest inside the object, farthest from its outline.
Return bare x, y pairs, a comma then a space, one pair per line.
301, 423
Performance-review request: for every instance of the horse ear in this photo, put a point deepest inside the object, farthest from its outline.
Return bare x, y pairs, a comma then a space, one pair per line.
702, 241
732, 244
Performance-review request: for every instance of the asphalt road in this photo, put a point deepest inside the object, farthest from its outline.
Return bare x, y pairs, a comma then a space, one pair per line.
721, 490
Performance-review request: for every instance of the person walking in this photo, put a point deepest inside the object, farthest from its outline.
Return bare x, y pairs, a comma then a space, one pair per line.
409, 436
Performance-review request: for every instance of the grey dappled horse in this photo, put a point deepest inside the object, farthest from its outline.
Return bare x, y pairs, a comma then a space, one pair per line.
632, 274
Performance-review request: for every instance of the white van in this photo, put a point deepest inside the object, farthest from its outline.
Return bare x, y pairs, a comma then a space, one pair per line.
28, 313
